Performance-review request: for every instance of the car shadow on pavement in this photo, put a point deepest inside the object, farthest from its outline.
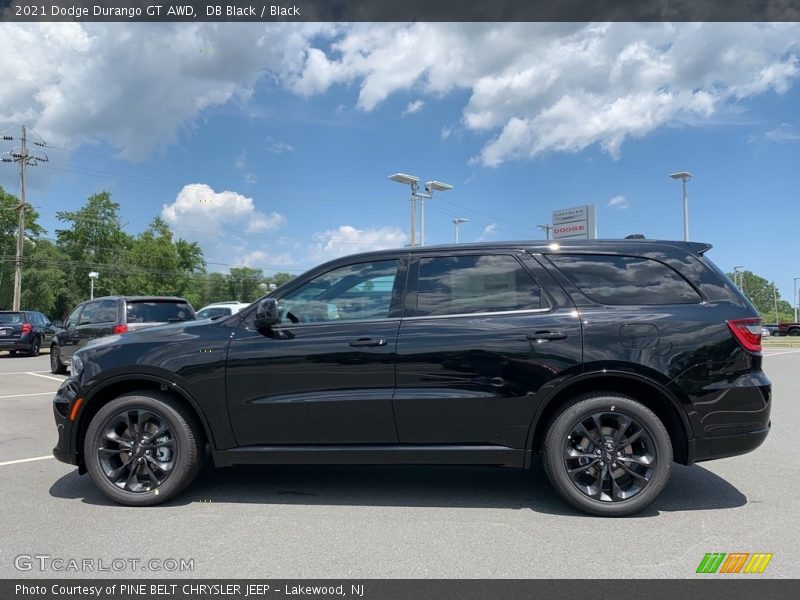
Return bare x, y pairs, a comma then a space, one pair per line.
691, 488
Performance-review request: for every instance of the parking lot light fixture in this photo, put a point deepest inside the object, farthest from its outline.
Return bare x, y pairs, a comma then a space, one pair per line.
92, 276
458, 221
413, 181
795, 300
684, 176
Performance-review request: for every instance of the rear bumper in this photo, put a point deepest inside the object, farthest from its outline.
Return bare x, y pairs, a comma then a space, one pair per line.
16, 344
710, 448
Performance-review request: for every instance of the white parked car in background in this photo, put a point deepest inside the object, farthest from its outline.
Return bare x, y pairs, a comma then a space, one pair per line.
220, 309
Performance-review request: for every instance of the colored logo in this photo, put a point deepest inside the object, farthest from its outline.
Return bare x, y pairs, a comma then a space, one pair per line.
735, 562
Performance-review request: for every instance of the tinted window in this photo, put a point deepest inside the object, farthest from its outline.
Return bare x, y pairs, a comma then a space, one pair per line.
472, 284
89, 314
158, 312
626, 280
106, 311
360, 291
217, 311
72, 320
10, 318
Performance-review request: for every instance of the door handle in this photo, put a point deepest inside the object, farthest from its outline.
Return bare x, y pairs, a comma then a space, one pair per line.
546, 336
368, 342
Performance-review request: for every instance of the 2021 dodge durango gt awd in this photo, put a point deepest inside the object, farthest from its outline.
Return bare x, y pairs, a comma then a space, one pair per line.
611, 359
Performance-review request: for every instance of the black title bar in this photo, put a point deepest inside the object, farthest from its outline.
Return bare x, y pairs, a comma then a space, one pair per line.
401, 10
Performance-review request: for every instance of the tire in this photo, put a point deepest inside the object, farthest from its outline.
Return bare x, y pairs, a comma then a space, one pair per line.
135, 474
36, 347
56, 366
12, 352
603, 480
794, 332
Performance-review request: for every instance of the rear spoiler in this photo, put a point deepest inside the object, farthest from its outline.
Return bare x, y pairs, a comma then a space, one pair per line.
699, 248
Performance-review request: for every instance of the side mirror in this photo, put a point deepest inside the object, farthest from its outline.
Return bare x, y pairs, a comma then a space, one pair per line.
267, 314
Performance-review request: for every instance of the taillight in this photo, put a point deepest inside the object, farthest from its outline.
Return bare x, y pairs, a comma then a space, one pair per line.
120, 328
747, 332
26, 328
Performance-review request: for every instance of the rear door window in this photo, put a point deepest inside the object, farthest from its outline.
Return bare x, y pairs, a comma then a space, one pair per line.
625, 280
452, 285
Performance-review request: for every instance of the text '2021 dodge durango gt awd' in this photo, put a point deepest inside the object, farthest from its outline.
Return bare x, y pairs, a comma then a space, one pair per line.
611, 359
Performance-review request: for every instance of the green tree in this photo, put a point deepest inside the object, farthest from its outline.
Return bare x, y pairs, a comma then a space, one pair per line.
763, 295
95, 241
9, 221
43, 279
243, 283
280, 278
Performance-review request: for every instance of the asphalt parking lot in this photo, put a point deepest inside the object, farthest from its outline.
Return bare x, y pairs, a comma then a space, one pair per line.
391, 522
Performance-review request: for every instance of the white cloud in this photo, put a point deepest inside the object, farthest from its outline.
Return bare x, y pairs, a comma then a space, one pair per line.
258, 259
532, 88
241, 160
278, 146
251, 178
618, 202
413, 107
346, 239
488, 232
446, 132
199, 213
783, 133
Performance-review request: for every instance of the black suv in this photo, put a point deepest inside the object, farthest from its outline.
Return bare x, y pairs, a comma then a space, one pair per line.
111, 315
25, 331
611, 359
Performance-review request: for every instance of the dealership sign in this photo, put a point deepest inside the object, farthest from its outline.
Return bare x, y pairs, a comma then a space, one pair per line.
579, 222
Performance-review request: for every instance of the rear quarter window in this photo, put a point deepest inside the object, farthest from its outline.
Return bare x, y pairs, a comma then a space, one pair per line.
625, 280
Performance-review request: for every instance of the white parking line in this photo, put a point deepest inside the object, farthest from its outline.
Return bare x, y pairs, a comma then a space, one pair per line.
24, 395
24, 460
44, 376
779, 353
25, 373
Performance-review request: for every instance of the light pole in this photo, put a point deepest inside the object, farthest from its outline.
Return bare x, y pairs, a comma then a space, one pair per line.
92, 276
684, 176
458, 221
737, 277
547, 229
430, 186
794, 299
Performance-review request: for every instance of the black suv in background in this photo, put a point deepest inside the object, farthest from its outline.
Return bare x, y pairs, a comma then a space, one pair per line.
611, 359
111, 315
25, 331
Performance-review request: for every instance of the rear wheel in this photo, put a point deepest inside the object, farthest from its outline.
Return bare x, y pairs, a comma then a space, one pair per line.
143, 448
607, 454
56, 366
36, 346
795, 331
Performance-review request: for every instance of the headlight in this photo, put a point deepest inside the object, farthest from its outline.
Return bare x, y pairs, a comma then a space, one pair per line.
77, 366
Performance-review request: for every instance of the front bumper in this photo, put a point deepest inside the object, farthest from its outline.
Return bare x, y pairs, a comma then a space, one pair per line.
66, 449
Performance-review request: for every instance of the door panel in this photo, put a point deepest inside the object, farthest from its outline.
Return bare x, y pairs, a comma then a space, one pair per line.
309, 384
471, 378
326, 373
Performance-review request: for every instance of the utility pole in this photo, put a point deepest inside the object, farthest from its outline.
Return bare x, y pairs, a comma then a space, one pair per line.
547, 229
24, 159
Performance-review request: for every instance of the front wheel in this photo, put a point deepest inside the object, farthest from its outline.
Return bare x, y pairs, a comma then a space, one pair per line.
607, 455
794, 332
143, 448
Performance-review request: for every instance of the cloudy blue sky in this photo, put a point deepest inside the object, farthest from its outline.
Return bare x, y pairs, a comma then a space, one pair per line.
270, 144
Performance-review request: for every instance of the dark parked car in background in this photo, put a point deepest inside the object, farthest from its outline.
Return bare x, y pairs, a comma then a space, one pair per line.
610, 359
111, 315
25, 331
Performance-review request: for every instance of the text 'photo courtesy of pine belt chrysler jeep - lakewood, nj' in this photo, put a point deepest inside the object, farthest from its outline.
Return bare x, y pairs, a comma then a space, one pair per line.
609, 359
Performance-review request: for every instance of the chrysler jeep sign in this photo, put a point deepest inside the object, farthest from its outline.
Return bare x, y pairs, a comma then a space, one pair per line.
577, 222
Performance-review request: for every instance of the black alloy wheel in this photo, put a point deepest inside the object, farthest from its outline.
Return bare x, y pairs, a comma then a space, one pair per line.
607, 454
143, 448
